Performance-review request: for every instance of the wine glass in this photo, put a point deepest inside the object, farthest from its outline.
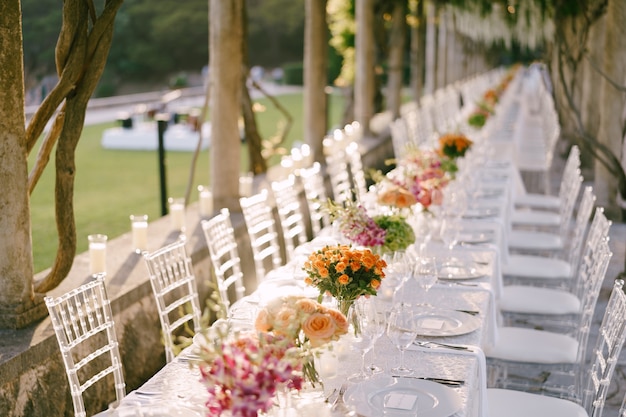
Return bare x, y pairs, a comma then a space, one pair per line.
402, 330
364, 339
376, 326
449, 233
425, 274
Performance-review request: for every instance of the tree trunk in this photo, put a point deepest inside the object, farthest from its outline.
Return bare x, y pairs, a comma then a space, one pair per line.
590, 103
315, 79
258, 164
442, 45
225, 60
16, 263
431, 48
418, 46
364, 64
611, 131
396, 59
88, 49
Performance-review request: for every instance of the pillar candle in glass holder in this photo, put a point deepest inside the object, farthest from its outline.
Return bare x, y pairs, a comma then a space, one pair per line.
97, 253
205, 201
139, 228
177, 213
245, 184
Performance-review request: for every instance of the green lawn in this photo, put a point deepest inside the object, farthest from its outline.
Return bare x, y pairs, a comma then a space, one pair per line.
112, 184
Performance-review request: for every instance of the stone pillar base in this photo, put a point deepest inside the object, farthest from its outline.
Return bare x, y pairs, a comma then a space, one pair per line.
17, 316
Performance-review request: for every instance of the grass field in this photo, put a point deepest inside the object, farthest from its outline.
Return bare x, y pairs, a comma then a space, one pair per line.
112, 184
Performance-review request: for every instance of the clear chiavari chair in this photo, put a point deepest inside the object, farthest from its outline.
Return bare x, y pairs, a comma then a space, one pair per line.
592, 383
520, 349
542, 269
83, 324
287, 197
261, 226
174, 287
315, 192
220, 238
359, 183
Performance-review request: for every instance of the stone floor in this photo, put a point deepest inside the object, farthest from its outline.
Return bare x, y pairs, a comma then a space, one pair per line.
616, 266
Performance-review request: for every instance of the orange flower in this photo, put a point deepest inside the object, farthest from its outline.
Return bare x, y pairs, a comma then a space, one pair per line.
340, 267
375, 284
344, 279
323, 272
262, 322
318, 326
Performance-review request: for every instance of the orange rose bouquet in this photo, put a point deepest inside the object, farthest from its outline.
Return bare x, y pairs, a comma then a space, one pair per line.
454, 145
345, 273
308, 323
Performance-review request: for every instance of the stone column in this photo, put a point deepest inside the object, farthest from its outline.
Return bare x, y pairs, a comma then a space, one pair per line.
315, 79
364, 64
225, 40
396, 59
431, 52
18, 306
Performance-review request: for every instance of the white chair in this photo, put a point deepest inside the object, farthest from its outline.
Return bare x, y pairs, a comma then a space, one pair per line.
525, 348
84, 327
261, 227
359, 184
591, 386
315, 192
220, 238
522, 267
400, 138
552, 202
287, 197
537, 240
174, 287
557, 307
339, 176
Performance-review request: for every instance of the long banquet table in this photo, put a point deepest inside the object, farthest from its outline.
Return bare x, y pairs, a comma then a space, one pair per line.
472, 300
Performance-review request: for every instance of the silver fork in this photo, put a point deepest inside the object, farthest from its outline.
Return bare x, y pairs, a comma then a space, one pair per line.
427, 343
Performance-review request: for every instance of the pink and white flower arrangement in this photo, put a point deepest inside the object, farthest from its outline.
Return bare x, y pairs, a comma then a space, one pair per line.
306, 323
244, 371
424, 173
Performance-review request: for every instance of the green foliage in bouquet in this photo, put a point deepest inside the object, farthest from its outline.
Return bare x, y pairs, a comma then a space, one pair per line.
399, 234
477, 119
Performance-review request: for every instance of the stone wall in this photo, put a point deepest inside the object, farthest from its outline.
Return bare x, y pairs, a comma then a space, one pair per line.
33, 382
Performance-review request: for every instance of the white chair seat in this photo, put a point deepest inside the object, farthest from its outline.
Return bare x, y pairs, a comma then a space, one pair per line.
533, 346
510, 403
536, 267
544, 201
535, 218
537, 300
533, 240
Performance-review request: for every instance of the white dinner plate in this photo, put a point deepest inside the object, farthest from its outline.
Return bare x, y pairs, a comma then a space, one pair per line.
440, 322
315, 245
481, 213
468, 236
458, 271
399, 397
275, 288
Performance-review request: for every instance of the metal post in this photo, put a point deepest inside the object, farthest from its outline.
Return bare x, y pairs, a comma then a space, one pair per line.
162, 120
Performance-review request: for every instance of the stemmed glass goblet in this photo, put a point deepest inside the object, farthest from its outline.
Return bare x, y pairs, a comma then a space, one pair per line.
402, 330
425, 274
364, 339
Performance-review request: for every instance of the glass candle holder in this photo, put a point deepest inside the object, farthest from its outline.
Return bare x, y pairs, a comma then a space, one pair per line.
97, 253
177, 213
205, 201
245, 184
139, 229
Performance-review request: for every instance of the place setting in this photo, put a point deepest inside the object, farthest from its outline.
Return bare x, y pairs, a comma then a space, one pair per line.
402, 391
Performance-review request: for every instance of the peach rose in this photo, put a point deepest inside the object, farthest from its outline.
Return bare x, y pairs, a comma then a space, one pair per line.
344, 279
323, 272
319, 326
306, 306
262, 322
284, 321
340, 321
